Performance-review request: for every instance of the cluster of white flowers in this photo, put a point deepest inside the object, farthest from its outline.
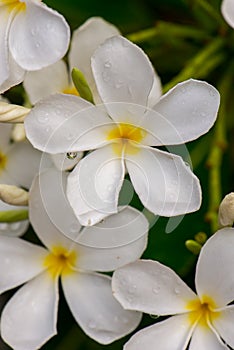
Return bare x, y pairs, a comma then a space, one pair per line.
71, 198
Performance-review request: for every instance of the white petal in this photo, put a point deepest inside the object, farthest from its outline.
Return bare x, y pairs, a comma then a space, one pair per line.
49, 211
164, 183
203, 339
93, 186
186, 112
223, 323
5, 137
5, 21
121, 238
227, 9
23, 163
62, 162
46, 81
88, 37
171, 334
14, 229
39, 36
93, 306
16, 75
214, 274
65, 123
151, 287
20, 261
29, 318
156, 91
123, 73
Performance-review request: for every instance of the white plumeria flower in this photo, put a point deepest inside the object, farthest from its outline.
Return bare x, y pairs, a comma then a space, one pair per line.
205, 320
32, 36
121, 131
57, 78
19, 163
227, 9
29, 318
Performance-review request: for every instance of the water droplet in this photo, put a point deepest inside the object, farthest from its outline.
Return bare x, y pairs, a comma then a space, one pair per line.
106, 77
74, 228
71, 155
47, 129
107, 64
92, 324
33, 32
15, 226
156, 290
132, 289
43, 118
212, 93
183, 89
3, 226
70, 136
203, 114
38, 44
177, 290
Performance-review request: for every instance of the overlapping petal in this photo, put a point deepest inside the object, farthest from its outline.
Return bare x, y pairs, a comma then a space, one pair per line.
5, 21
20, 261
121, 238
204, 338
173, 333
39, 36
93, 306
46, 81
65, 123
19, 157
93, 186
47, 207
151, 287
164, 183
224, 324
89, 36
183, 114
214, 276
123, 73
227, 9
29, 318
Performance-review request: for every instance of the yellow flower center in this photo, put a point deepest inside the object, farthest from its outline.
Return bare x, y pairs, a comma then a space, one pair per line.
3, 160
126, 135
71, 90
60, 261
203, 311
14, 4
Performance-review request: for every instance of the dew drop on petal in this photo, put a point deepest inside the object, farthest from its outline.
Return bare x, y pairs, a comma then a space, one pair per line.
71, 155
92, 324
107, 64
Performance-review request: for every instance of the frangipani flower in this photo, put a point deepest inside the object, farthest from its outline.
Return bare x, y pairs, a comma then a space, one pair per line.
19, 163
57, 78
205, 320
29, 318
121, 131
227, 9
32, 36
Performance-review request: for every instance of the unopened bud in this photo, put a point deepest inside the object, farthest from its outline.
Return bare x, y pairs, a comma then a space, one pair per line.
193, 246
10, 113
13, 195
18, 133
226, 210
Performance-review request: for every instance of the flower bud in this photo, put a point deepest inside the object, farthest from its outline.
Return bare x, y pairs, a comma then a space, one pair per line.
226, 210
13, 195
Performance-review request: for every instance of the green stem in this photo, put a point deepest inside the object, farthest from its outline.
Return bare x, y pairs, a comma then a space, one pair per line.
168, 29
203, 63
215, 157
